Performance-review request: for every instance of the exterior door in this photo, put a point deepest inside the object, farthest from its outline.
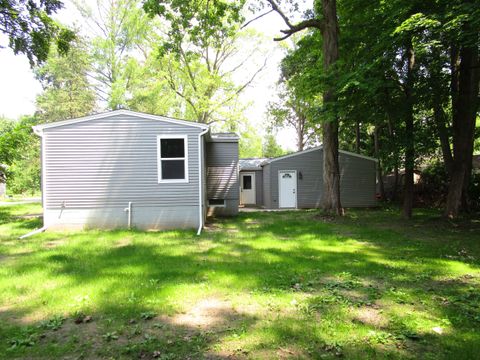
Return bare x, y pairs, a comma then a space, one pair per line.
247, 189
287, 188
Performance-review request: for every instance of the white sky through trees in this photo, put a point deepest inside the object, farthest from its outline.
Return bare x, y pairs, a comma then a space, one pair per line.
19, 88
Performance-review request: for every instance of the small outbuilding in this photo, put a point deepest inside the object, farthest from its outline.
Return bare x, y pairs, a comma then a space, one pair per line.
130, 169
296, 180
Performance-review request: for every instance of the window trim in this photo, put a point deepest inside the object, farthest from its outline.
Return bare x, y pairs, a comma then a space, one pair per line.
185, 159
217, 205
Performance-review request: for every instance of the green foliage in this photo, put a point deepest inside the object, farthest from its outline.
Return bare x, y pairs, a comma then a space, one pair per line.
67, 92
150, 90
31, 29
206, 24
20, 150
250, 143
295, 111
122, 30
203, 51
271, 148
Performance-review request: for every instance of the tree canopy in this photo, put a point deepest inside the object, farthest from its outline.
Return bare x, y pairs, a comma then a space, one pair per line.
31, 29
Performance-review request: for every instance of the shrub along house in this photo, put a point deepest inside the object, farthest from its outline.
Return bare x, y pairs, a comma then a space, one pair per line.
129, 169
296, 180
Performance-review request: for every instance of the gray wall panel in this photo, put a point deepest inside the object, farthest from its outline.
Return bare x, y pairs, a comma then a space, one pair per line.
105, 163
222, 170
267, 187
357, 183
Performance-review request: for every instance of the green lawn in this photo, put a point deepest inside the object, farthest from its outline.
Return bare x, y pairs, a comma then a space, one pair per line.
262, 285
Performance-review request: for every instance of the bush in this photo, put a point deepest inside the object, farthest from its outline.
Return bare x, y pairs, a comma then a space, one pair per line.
435, 184
20, 151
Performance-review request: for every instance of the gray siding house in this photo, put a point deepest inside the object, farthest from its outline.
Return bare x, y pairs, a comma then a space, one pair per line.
129, 169
296, 180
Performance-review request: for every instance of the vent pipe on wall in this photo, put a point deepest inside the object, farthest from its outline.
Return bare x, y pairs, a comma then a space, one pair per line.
129, 211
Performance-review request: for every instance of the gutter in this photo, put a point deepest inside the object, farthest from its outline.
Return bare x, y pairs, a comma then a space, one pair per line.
200, 178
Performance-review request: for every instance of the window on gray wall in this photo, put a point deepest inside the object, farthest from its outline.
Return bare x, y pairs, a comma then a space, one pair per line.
172, 158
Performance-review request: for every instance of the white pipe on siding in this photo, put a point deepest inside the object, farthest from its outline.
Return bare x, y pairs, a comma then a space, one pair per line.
42, 229
200, 189
129, 210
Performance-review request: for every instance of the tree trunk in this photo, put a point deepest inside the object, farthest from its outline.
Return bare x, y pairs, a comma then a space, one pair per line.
409, 133
463, 126
300, 133
331, 169
396, 178
391, 133
441, 124
376, 141
357, 137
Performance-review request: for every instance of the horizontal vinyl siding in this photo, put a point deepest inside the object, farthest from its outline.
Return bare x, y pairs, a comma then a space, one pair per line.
222, 170
357, 180
309, 189
267, 186
259, 187
106, 163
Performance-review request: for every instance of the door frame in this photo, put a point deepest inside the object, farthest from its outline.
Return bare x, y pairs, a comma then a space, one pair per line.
296, 189
254, 188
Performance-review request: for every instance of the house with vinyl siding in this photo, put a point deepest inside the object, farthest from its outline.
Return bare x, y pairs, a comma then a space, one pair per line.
128, 169
125, 169
296, 180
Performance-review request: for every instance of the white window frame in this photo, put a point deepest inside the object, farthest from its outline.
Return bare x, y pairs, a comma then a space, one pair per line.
159, 158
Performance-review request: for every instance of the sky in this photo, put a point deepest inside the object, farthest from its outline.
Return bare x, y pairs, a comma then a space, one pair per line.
19, 88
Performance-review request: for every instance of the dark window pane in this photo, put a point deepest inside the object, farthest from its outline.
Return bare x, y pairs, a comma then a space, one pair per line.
218, 202
247, 182
172, 148
173, 169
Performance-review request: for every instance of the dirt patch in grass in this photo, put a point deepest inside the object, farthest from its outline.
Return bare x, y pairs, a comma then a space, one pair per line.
210, 313
212, 228
123, 242
54, 243
324, 218
370, 316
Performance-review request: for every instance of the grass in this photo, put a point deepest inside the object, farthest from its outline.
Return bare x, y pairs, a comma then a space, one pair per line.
262, 285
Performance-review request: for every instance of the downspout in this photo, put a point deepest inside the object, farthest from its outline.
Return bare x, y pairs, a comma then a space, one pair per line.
200, 178
38, 130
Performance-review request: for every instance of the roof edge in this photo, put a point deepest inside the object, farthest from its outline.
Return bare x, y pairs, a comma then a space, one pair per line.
319, 148
39, 128
220, 137
292, 154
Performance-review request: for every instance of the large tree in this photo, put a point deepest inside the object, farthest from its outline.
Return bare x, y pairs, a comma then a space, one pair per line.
465, 72
205, 53
120, 39
67, 92
290, 111
324, 19
31, 29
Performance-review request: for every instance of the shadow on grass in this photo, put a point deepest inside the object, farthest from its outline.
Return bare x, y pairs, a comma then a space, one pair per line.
346, 288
